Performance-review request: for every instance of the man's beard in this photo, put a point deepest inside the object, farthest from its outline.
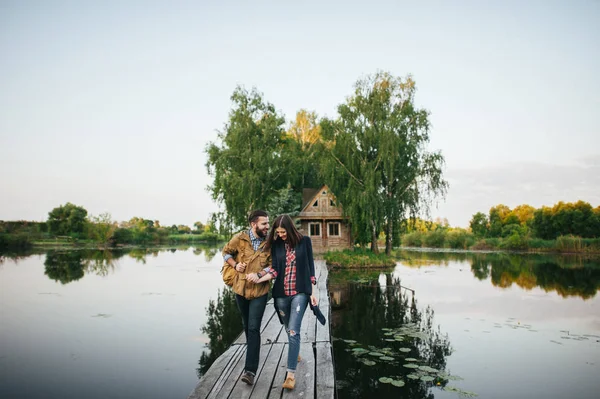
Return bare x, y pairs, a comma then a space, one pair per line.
261, 233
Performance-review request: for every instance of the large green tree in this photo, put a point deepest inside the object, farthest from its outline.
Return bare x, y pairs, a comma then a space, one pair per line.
67, 219
246, 162
376, 159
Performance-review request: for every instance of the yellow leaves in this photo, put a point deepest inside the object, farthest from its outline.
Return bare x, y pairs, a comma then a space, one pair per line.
305, 128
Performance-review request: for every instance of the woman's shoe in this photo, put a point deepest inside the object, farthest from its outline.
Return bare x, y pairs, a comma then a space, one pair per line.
289, 383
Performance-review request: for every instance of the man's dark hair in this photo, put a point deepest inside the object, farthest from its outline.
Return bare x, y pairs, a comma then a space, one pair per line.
254, 215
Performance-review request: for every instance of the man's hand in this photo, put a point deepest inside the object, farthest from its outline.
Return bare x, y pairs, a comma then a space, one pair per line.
240, 267
313, 300
252, 277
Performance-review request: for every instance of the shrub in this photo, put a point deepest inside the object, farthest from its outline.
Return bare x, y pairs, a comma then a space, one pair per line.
412, 239
434, 239
459, 239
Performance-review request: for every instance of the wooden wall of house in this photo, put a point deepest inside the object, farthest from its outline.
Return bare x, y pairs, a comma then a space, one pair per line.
324, 242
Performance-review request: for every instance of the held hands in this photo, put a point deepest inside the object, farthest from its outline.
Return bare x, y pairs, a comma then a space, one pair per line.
252, 277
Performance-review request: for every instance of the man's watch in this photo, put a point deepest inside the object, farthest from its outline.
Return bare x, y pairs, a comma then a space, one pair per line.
259, 274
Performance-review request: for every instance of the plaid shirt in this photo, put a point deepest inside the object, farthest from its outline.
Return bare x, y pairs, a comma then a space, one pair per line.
289, 278
256, 241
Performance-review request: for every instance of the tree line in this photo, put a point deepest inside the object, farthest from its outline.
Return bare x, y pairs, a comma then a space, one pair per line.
564, 227
548, 223
72, 222
373, 156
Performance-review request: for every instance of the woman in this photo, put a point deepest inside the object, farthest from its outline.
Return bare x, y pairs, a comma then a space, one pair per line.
293, 269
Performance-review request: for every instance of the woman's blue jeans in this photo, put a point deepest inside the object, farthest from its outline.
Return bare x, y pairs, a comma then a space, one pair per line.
291, 310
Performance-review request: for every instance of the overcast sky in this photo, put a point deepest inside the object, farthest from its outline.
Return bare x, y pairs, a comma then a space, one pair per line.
110, 104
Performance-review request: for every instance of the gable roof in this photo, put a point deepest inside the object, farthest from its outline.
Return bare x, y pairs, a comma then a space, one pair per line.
307, 196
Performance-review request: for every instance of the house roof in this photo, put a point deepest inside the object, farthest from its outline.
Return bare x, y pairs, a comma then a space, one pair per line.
308, 194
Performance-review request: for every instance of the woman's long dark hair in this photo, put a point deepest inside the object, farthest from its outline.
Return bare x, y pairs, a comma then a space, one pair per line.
286, 222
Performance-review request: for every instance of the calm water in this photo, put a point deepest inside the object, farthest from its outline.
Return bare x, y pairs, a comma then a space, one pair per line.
499, 326
93, 324
128, 324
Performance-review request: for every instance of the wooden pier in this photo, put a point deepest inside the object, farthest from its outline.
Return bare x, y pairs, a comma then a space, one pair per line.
315, 377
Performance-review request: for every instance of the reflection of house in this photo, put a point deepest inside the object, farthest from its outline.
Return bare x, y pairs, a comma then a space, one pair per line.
322, 220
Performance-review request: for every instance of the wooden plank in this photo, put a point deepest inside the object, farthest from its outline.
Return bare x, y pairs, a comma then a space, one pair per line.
223, 389
241, 389
323, 331
227, 370
269, 312
272, 331
280, 373
305, 375
264, 382
309, 327
325, 379
208, 380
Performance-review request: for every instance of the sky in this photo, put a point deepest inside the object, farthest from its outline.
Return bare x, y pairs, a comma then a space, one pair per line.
110, 104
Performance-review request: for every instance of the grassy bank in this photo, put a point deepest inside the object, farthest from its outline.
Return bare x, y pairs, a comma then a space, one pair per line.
17, 242
358, 259
463, 239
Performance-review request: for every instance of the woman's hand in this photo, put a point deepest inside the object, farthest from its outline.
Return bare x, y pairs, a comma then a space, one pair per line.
313, 300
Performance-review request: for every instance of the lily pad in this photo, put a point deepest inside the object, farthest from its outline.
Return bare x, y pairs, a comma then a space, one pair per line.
428, 369
412, 376
369, 362
377, 354
398, 383
349, 341
386, 380
390, 340
462, 393
411, 359
405, 350
386, 358
411, 365
427, 378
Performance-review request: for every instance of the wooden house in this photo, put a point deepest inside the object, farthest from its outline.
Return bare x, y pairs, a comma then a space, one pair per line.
322, 220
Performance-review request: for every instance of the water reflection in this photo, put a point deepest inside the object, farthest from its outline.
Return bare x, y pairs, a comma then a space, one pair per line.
574, 275
223, 326
67, 265
370, 320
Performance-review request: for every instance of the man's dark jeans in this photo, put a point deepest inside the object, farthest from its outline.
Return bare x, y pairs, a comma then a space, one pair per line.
252, 313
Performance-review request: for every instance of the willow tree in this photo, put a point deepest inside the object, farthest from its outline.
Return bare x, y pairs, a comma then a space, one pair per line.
377, 160
246, 162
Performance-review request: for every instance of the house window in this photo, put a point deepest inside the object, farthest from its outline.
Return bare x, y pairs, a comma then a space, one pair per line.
316, 203
324, 192
314, 229
334, 229
331, 203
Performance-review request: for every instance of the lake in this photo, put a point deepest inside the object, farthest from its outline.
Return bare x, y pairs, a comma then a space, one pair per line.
129, 323
450, 325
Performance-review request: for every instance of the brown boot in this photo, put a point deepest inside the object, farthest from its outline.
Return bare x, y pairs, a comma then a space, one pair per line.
290, 383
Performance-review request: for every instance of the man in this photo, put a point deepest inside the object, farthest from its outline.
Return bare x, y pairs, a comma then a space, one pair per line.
246, 255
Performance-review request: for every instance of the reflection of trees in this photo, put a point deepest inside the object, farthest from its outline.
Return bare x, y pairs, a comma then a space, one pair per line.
368, 309
568, 275
542, 271
67, 266
223, 326
64, 266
